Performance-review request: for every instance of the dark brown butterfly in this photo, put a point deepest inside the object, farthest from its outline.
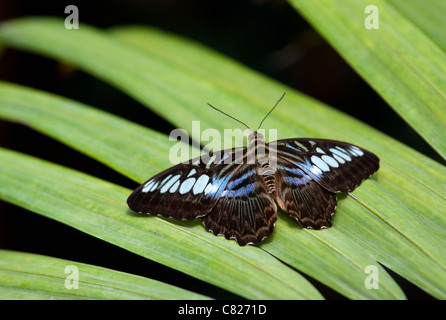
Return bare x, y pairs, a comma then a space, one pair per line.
236, 197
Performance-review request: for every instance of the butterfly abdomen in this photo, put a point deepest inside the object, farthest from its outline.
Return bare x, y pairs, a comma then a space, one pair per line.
269, 181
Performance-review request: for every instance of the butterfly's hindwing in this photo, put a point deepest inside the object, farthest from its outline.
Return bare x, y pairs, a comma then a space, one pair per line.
302, 198
337, 166
245, 211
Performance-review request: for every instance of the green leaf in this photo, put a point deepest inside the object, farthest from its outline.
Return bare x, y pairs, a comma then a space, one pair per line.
428, 18
31, 276
397, 216
98, 208
97, 134
405, 62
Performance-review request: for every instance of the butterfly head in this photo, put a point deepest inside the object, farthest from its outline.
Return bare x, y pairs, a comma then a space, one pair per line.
257, 137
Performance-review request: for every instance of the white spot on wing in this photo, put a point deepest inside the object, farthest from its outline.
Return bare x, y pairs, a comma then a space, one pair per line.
319, 150
211, 188
342, 153
174, 187
356, 151
147, 186
155, 185
330, 161
186, 185
169, 183
320, 163
315, 170
200, 184
338, 158
192, 172
166, 178
300, 145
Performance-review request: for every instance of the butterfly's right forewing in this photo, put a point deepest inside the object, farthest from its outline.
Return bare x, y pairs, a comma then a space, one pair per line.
335, 165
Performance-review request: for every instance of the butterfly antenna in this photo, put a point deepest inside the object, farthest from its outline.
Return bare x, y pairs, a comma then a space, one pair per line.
271, 110
229, 116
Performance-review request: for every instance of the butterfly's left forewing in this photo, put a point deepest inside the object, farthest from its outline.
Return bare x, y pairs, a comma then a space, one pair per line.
185, 191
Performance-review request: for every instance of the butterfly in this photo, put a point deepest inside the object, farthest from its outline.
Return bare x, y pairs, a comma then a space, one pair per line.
236, 191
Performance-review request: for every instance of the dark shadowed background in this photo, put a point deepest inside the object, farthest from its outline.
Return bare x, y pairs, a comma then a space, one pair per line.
268, 36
